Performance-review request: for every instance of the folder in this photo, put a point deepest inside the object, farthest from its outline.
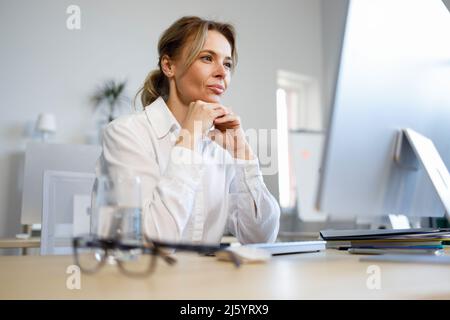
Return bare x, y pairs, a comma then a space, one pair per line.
385, 234
405, 239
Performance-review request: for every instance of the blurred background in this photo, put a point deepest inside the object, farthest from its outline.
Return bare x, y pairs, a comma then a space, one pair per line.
55, 55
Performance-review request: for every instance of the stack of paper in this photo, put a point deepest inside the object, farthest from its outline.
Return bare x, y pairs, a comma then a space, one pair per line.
403, 239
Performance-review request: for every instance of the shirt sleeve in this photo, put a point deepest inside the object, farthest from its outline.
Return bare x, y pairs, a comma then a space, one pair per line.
254, 214
165, 213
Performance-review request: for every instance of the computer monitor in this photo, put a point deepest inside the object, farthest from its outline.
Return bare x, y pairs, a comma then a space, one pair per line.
42, 157
394, 74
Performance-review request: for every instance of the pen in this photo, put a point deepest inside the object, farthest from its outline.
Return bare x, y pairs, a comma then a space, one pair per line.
435, 252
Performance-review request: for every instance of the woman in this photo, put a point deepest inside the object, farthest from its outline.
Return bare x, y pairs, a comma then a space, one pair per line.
197, 183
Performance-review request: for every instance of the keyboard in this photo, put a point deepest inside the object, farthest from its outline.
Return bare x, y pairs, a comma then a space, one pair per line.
290, 247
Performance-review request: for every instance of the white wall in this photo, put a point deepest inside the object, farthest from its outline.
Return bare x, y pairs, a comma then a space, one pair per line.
46, 67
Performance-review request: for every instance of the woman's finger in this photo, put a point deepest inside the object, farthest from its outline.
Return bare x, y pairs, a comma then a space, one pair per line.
219, 113
216, 106
227, 118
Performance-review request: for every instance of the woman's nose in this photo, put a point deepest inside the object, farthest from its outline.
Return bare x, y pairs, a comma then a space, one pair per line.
220, 71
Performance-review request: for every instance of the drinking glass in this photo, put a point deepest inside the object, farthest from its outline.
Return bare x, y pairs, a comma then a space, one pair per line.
117, 209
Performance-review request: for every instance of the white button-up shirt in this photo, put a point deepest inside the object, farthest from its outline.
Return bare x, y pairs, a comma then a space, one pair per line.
184, 200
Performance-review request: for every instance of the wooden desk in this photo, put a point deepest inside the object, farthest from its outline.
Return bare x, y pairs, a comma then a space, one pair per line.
24, 244
325, 275
20, 243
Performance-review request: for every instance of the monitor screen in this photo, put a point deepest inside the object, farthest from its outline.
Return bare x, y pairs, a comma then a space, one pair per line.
394, 73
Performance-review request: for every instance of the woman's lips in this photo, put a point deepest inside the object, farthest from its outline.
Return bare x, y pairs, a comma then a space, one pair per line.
216, 89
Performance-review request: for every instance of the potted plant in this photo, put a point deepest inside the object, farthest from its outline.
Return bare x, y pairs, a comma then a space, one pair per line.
108, 99
112, 95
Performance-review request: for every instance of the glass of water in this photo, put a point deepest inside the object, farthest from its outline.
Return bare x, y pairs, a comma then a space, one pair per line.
117, 209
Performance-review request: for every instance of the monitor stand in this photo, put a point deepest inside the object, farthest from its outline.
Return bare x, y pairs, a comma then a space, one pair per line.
413, 151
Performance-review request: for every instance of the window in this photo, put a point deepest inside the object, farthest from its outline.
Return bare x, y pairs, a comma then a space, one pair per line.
299, 125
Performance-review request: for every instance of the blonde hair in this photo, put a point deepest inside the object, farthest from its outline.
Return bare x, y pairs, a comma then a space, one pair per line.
171, 43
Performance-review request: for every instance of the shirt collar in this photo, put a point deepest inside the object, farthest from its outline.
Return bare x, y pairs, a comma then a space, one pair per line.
161, 118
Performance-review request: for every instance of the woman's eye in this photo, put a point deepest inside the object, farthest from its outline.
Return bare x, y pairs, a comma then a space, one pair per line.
228, 65
207, 58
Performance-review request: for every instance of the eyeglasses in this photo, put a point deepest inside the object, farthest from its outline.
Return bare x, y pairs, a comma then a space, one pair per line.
134, 259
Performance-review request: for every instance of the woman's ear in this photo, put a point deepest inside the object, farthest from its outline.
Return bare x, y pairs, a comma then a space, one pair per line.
167, 66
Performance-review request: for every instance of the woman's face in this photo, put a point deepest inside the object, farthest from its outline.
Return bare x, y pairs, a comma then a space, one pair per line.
209, 75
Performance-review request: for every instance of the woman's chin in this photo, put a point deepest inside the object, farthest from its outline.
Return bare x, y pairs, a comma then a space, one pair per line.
208, 98
212, 98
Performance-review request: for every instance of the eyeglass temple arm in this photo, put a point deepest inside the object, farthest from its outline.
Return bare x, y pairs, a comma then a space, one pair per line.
166, 256
184, 246
187, 247
191, 247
